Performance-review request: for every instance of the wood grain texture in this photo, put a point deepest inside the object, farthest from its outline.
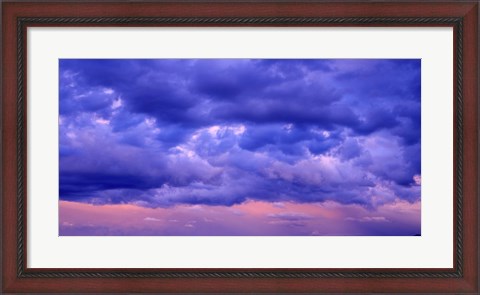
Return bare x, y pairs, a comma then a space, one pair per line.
374, 280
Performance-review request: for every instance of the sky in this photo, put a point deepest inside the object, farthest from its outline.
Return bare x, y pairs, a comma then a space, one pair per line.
240, 147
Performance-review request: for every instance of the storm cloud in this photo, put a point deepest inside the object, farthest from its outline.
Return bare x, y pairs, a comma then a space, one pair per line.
167, 132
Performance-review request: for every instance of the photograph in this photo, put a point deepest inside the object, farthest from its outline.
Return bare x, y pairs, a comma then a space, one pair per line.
239, 147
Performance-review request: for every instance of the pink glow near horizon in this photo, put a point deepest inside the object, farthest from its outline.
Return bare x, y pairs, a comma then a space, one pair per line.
254, 218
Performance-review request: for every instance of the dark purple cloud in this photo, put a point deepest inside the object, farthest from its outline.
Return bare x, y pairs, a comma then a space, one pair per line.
158, 133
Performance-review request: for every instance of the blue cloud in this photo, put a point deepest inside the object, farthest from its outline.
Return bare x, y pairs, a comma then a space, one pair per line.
219, 132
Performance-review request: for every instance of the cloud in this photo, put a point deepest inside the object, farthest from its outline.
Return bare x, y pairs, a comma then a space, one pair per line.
290, 216
255, 218
152, 219
368, 219
220, 132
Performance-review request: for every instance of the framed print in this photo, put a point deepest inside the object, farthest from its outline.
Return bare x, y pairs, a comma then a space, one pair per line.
239, 147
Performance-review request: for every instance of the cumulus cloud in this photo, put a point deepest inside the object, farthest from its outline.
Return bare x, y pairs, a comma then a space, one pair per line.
158, 133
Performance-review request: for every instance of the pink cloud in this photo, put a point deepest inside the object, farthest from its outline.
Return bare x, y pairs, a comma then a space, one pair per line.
255, 218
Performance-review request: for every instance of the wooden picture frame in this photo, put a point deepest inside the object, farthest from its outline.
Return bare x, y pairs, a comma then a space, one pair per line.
18, 16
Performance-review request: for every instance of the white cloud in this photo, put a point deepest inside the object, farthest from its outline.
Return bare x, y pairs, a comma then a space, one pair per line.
151, 219
108, 90
117, 103
418, 179
102, 121
368, 219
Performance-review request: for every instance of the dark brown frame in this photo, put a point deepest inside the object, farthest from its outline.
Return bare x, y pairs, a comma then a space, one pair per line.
462, 16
